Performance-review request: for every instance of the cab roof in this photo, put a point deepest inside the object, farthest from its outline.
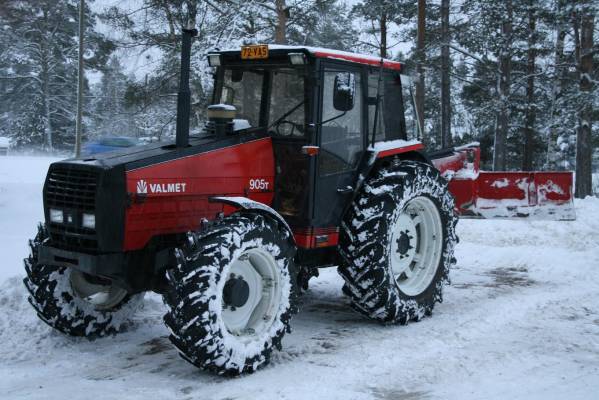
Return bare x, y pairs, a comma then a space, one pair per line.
319, 52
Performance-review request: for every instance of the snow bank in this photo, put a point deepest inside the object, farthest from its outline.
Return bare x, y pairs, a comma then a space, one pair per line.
24, 169
21, 208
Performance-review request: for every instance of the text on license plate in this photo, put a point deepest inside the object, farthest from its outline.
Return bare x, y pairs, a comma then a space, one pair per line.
254, 52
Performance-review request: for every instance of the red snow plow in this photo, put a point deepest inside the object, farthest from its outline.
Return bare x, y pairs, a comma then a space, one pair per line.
502, 194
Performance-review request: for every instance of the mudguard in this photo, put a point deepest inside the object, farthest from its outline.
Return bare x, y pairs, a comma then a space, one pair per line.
249, 204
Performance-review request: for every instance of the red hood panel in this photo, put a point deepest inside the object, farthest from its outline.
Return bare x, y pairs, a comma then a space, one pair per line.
172, 196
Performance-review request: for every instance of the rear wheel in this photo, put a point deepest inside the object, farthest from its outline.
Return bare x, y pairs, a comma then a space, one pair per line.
75, 303
397, 243
232, 294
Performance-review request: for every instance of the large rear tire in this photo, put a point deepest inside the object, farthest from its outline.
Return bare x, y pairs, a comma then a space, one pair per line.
232, 294
75, 303
397, 243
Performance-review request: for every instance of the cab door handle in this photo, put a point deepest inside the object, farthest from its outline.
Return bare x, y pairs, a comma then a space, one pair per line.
345, 190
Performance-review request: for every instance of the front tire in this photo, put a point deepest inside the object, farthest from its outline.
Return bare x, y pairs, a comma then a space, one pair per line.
397, 243
75, 303
232, 294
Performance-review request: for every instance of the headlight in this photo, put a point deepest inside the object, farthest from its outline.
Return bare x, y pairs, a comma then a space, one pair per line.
297, 58
214, 60
89, 221
56, 216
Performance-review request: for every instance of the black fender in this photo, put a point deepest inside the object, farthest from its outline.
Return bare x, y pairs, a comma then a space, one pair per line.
248, 204
370, 162
413, 155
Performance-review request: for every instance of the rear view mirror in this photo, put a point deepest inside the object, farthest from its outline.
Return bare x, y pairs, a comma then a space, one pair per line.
343, 92
236, 75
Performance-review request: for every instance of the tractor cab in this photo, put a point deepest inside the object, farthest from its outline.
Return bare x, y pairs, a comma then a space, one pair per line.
319, 107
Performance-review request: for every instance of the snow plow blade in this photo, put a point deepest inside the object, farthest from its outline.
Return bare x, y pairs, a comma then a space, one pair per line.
481, 194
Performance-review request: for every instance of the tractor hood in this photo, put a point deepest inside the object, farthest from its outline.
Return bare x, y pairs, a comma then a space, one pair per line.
134, 194
140, 156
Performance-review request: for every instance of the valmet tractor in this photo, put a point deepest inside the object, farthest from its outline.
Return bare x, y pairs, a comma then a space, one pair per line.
305, 162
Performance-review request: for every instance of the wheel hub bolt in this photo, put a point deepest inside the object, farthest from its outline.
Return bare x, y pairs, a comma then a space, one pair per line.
404, 243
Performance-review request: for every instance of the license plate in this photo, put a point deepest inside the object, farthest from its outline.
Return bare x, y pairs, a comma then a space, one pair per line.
254, 52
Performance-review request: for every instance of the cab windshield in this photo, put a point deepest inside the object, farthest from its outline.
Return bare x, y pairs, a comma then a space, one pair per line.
269, 97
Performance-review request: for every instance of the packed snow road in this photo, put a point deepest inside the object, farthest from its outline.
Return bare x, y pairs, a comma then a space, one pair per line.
520, 321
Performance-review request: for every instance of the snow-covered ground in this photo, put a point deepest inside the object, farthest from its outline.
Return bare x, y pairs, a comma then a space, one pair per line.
520, 321
21, 207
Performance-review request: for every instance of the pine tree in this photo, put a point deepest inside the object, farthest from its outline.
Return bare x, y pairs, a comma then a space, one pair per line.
377, 17
41, 37
217, 25
328, 23
108, 108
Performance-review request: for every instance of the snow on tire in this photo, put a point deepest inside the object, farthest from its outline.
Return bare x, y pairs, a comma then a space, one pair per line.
55, 294
232, 294
397, 243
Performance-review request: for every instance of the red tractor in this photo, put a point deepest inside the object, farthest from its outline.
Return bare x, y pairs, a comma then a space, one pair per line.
306, 162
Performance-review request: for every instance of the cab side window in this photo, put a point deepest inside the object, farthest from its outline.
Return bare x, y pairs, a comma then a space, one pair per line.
411, 120
373, 80
341, 141
287, 95
389, 122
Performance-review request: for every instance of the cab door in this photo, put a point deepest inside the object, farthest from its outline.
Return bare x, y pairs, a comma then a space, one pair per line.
342, 143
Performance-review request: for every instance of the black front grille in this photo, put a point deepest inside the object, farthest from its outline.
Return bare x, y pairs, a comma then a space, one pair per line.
72, 238
74, 192
72, 189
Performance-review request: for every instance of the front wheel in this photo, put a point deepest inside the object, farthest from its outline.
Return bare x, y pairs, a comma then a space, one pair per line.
397, 243
232, 294
73, 302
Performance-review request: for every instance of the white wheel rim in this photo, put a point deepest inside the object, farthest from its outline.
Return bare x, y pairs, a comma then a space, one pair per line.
260, 272
416, 244
100, 296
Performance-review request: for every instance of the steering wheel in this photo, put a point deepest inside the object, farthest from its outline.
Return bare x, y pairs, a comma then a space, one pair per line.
334, 123
294, 126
